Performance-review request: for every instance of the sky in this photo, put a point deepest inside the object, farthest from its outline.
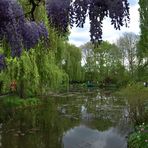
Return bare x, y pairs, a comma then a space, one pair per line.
80, 36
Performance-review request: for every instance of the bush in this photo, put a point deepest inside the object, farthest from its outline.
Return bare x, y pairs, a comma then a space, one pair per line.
137, 97
139, 138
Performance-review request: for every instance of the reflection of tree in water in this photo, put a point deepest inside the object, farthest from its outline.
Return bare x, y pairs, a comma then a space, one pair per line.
101, 125
42, 128
95, 109
45, 127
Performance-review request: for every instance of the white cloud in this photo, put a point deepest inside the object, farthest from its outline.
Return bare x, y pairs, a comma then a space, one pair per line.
80, 36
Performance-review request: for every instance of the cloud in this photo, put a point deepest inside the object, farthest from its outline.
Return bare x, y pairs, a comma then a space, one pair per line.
80, 36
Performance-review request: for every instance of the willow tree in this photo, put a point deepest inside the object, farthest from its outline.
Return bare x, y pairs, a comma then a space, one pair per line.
72, 63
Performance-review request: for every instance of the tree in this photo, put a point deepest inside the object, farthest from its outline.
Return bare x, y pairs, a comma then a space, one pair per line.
89, 62
103, 63
128, 48
143, 43
71, 63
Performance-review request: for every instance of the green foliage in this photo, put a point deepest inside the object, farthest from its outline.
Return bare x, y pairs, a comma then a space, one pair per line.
35, 72
137, 96
39, 13
51, 76
72, 63
143, 43
103, 63
139, 138
142, 53
24, 71
38, 70
16, 102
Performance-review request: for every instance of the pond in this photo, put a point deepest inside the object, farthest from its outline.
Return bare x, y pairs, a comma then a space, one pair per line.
88, 119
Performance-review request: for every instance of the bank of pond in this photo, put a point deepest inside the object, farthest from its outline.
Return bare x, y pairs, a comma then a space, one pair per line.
78, 118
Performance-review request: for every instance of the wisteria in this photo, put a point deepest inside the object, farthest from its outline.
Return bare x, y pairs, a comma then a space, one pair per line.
19, 32
8, 25
97, 10
66, 12
58, 14
42, 30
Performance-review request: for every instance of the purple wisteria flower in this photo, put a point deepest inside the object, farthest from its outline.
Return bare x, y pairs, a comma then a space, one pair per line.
42, 30
58, 13
2, 61
18, 32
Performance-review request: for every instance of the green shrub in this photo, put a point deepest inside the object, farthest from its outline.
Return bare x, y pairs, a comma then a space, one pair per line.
137, 97
139, 138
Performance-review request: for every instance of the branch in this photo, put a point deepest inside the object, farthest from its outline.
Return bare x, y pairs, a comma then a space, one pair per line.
34, 5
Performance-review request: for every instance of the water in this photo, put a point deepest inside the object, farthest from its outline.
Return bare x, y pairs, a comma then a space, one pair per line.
71, 120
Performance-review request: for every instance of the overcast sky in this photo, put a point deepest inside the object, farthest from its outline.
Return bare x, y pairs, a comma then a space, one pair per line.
80, 36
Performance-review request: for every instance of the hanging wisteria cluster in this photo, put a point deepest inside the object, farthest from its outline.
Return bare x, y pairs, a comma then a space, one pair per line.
17, 31
58, 13
67, 12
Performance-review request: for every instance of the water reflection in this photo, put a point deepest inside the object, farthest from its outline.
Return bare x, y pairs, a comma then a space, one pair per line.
84, 137
70, 120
